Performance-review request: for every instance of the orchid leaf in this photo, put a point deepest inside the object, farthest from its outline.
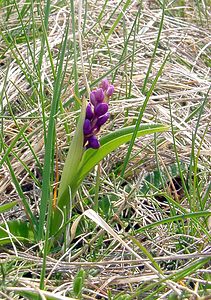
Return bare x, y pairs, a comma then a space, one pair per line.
16, 231
73, 158
111, 142
69, 173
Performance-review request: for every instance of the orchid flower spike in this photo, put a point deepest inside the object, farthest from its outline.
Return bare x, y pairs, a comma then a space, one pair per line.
97, 113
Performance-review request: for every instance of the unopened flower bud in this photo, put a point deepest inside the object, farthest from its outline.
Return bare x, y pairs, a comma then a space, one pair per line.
102, 120
87, 127
93, 142
104, 84
110, 90
93, 98
99, 95
101, 109
89, 112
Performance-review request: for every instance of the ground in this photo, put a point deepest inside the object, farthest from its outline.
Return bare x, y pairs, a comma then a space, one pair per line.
139, 224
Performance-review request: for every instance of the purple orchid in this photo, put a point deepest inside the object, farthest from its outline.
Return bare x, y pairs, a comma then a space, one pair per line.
97, 113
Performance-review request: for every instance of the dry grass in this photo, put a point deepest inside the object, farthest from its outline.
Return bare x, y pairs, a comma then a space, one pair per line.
185, 81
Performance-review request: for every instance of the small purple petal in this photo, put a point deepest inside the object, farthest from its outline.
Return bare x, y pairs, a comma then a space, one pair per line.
93, 98
104, 84
87, 127
89, 112
110, 90
93, 142
102, 120
99, 95
101, 109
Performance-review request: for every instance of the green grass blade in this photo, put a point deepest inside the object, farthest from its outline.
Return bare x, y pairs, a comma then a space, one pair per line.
19, 190
155, 49
126, 43
25, 36
141, 113
14, 141
176, 218
127, 3
148, 255
51, 140
76, 90
45, 28
7, 206
46, 199
177, 156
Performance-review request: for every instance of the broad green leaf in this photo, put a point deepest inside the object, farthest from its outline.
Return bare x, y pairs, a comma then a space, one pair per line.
73, 159
7, 206
111, 142
68, 178
16, 231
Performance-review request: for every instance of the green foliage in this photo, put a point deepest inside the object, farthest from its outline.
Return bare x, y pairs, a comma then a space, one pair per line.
118, 19
122, 297
111, 142
70, 170
77, 166
14, 231
157, 178
32, 49
69, 174
7, 206
50, 142
193, 215
79, 283
31, 296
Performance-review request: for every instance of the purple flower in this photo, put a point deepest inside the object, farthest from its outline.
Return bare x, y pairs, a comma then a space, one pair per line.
101, 109
102, 120
97, 96
93, 142
89, 112
104, 84
110, 90
96, 113
87, 127
93, 98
